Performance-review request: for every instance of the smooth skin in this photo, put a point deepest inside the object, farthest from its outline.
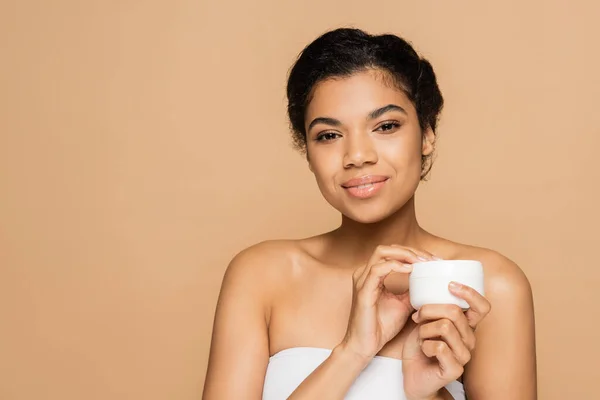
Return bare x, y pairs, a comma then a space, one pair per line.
346, 290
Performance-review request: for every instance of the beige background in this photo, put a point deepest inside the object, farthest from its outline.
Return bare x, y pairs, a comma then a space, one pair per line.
144, 143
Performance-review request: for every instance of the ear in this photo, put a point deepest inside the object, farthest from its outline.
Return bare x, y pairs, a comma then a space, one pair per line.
428, 142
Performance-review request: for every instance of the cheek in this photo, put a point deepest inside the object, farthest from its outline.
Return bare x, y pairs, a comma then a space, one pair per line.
402, 155
326, 169
323, 167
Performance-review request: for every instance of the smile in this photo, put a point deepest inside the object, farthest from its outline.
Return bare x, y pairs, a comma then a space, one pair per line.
365, 187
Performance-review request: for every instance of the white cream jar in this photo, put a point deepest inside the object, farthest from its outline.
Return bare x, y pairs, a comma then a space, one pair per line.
429, 280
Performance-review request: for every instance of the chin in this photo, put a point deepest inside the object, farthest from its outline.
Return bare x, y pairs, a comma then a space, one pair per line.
367, 214
372, 210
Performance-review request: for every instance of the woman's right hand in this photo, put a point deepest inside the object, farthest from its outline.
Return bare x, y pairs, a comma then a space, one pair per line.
377, 315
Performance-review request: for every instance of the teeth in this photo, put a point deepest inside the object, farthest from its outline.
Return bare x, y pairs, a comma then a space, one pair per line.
364, 186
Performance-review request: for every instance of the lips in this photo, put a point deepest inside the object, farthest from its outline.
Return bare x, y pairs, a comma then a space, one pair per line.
364, 187
364, 180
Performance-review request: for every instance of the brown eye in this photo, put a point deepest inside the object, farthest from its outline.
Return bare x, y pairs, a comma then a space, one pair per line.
327, 136
388, 126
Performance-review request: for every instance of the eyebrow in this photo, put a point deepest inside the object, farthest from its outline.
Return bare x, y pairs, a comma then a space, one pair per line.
372, 115
390, 107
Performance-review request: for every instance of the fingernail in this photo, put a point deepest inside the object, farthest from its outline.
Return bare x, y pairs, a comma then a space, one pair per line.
405, 267
437, 258
415, 316
421, 258
455, 286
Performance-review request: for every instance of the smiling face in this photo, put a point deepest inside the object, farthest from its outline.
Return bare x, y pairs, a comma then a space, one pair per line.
364, 145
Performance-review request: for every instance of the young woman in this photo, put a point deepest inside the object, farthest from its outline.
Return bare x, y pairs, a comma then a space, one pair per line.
328, 317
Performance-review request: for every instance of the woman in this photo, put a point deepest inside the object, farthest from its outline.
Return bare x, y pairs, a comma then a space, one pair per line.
328, 317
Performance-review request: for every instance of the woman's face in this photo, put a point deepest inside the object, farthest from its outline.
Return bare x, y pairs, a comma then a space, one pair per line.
364, 145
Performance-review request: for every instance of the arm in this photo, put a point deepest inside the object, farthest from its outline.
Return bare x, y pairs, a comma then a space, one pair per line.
503, 364
239, 351
341, 367
240, 348
376, 317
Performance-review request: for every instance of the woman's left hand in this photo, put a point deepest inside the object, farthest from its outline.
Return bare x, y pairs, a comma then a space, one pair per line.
438, 348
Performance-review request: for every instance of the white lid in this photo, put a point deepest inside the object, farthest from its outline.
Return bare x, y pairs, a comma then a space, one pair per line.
428, 269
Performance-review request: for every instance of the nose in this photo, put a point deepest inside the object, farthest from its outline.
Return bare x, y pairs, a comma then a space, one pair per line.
359, 151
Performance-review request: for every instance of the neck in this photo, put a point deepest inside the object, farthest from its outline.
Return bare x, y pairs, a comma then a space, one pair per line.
359, 240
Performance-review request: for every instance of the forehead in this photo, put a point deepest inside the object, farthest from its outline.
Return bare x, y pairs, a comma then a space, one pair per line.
355, 96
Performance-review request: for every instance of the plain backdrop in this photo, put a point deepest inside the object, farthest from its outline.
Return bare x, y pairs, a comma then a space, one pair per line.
144, 143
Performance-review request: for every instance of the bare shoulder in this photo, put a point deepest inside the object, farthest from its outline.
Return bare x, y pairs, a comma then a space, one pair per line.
505, 349
503, 276
262, 257
240, 341
266, 263
263, 254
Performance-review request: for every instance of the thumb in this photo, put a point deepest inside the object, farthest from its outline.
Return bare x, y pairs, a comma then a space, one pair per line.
405, 299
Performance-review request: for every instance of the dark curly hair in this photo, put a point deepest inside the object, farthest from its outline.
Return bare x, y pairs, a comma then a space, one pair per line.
345, 51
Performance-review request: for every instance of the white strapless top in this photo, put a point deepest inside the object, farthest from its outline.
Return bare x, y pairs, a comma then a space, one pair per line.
381, 379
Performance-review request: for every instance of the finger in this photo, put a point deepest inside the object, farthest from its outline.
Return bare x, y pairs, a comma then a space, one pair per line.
366, 271
382, 254
479, 306
452, 312
424, 255
405, 299
449, 366
360, 274
357, 275
378, 272
445, 329
399, 253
